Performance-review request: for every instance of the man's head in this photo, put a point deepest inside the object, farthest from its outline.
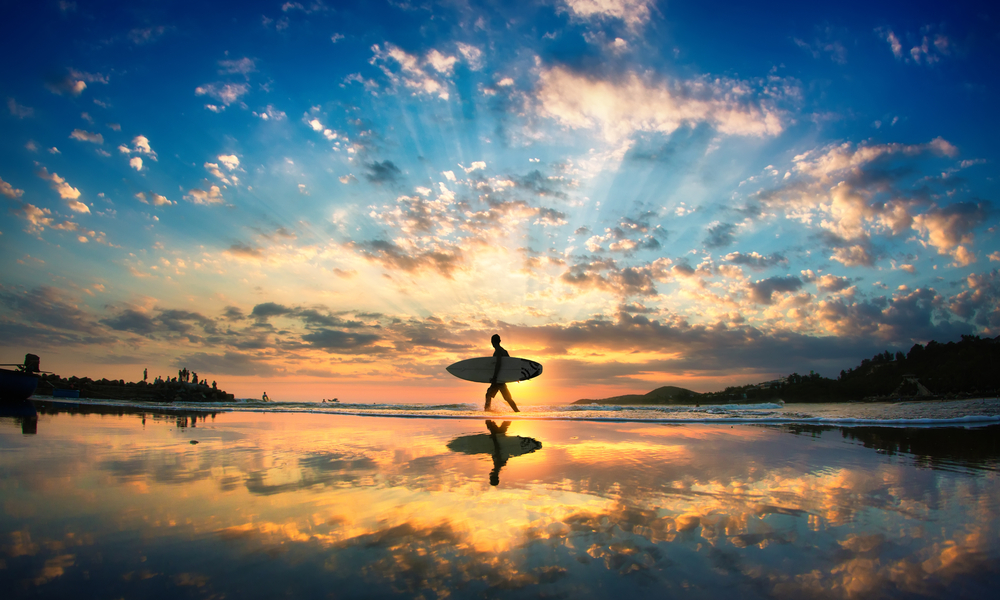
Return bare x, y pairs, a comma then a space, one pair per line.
495, 340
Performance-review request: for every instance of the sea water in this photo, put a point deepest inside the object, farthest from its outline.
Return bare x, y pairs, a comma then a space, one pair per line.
914, 413
306, 501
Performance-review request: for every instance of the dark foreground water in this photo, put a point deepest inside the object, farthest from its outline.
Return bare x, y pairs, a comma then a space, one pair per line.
109, 502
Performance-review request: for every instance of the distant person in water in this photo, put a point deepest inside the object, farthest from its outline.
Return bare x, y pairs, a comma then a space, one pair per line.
498, 353
265, 398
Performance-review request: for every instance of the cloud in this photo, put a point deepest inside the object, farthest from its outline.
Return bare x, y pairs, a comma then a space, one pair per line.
230, 161
607, 275
227, 363
473, 56
948, 227
66, 86
762, 291
146, 35
226, 93
86, 136
154, 199
632, 12
333, 340
136, 163
837, 160
199, 196
411, 72
131, 321
620, 108
50, 317
18, 110
720, 235
383, 172
10, 191
270, 113
754, 260
243, 66
853, 192
440, 258
894, 43
65, 190
140, 145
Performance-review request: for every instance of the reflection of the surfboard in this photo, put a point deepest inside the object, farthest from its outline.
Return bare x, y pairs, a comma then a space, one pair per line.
496, 443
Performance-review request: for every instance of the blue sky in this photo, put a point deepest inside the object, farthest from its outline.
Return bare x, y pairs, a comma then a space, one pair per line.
339, 196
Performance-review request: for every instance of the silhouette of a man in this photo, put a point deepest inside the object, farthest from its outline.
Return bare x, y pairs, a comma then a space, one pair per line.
498, 353
499, 460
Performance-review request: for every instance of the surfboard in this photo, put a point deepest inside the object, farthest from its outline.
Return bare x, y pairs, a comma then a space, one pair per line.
481, 369
510, 445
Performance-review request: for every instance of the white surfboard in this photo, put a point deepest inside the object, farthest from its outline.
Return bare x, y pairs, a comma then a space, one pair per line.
481, 369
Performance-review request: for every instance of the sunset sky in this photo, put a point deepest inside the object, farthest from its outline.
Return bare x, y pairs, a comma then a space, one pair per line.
324, 199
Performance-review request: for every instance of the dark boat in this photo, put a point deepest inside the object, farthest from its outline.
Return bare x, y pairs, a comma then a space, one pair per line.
15, 385
20, 384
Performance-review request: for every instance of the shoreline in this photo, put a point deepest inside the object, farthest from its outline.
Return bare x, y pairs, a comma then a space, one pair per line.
987, 409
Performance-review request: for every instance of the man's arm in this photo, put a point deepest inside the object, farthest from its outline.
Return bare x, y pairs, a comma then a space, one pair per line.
496, 370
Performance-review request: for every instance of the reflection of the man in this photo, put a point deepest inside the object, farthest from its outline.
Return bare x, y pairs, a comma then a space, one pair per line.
497, 443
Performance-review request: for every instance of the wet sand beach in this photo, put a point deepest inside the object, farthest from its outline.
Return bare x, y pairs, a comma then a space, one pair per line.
261, 505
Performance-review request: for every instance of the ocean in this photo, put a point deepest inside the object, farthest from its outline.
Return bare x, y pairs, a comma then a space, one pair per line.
914, 413
305, 500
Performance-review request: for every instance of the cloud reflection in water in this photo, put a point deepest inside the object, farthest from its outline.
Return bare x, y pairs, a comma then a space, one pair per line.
275, 504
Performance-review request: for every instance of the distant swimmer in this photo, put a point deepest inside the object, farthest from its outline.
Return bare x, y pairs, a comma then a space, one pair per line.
498, 353
265, 398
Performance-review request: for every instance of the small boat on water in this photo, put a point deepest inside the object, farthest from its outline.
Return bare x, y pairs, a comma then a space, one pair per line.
21, 383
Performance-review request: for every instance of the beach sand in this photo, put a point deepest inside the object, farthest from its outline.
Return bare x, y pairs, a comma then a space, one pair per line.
262, 505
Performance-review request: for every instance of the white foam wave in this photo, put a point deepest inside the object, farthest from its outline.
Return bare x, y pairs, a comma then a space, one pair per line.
923, 414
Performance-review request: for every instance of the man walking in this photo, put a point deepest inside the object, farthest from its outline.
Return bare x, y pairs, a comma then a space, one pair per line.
499, 353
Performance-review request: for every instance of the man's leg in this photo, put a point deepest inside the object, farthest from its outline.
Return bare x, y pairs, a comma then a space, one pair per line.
507, 397
492, 391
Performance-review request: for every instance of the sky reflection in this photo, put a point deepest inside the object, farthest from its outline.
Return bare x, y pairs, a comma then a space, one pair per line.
267, 504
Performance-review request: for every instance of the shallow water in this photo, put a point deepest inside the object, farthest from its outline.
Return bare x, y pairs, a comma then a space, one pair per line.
118, 502
842, 413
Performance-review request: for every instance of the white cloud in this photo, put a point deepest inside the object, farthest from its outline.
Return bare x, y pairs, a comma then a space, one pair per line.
270, 113
442, 64
199, 196
86, 136
621, 108
412, 75
226, 93
449, 175
633, 12
140, 145
473, 56
349, 178
158, 200
65, 190
10, 191
336, 37
230, 161
837, 160
477, 165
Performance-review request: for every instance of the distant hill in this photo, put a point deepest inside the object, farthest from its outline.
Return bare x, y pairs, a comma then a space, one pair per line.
963, 369
667, 394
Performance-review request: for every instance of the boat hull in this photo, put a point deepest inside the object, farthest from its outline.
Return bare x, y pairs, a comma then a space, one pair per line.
16, 386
